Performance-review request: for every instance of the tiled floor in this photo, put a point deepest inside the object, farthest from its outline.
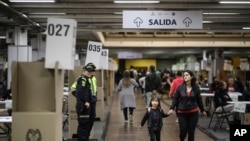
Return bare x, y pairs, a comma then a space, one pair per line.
118, 130
113, 127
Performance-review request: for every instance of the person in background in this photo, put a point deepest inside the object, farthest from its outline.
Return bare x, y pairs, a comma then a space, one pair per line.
187, 99
153, 83
233, 86
176, 82
142, 82
166, 83
221, 97
127, 96
205, 83
212, 86
81, 89
7, 95
154, 115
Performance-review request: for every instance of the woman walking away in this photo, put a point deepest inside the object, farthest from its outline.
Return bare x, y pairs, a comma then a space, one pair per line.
188, 101
127, 96
153, 116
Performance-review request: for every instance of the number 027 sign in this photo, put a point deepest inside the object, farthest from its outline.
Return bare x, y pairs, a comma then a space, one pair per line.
94, 51
60, 43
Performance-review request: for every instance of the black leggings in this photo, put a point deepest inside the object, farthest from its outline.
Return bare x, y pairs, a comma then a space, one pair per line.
125, 112
155, 135
187, 125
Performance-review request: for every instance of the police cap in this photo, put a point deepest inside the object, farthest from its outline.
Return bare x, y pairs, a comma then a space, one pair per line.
89, 67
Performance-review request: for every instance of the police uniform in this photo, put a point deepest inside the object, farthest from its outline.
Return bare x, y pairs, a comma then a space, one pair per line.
93, 83
83, 95
85, 89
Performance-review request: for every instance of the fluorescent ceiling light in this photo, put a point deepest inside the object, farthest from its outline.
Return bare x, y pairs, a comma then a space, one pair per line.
235, 2
247, 28
32, 1
207, 22
221, 13
136, 1
47, 13
2, 37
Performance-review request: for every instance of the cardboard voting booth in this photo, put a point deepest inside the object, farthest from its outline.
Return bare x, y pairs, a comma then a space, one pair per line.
37, 102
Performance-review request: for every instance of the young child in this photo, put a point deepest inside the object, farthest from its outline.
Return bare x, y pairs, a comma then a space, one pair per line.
153, 116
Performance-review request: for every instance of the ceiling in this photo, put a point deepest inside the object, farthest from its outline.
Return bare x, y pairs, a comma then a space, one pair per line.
101, 20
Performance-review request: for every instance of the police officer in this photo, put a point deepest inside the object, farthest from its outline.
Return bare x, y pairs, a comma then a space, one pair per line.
83, 95
93, 83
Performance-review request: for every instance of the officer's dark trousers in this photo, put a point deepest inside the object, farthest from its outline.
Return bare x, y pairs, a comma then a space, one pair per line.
83, 128
187, 125
92, 114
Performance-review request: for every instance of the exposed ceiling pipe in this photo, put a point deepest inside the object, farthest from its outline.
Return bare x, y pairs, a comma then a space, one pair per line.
19, 17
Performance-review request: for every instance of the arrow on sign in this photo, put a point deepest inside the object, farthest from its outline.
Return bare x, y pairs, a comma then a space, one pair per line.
187, 21
138, 21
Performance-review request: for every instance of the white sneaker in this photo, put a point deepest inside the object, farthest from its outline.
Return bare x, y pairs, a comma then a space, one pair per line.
177, 120
130, 118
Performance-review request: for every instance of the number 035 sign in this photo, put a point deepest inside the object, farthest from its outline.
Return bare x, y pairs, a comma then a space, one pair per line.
60, 43
94, 51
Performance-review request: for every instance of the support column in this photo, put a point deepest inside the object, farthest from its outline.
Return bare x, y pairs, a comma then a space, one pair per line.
21, 36
20, 51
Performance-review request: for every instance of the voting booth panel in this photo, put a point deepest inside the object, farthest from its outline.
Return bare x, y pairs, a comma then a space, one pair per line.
100, 103
37, 98
73, 75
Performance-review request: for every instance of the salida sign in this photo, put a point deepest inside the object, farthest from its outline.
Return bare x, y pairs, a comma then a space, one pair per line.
162, 19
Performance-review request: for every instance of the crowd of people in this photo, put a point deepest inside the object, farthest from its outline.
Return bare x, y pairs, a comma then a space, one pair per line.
183, 89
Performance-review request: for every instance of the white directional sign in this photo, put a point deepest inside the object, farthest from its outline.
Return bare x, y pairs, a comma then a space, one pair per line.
163, 19
94, 51
60, 43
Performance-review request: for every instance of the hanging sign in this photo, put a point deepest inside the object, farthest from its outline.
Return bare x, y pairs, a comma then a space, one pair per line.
60, 43
104, 59
94, 51
163, 19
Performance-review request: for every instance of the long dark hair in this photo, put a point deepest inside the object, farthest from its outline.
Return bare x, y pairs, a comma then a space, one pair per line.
126, 79
193, 79
155, 98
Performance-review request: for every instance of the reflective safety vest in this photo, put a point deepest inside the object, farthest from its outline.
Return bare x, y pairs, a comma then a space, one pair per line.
93, 83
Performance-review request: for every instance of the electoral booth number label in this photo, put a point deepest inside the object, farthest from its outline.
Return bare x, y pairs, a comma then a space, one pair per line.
94, 50
60, 43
